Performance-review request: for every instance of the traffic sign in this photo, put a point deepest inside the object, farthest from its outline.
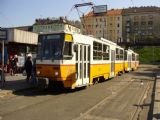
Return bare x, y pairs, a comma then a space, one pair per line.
3, 34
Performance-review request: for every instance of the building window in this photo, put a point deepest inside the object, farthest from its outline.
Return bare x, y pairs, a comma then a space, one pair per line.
150, 28
150, 22
150, 16
143, 18
118, 18
136, 18
111, 18
135, 23
118, 25
100, 19
143, 23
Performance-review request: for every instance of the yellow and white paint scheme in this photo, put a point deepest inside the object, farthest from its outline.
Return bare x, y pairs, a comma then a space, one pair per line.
133, 63
77, 60
136, 60
119, 62
128, 60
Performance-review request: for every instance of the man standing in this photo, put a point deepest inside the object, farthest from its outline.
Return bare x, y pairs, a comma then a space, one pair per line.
28, 68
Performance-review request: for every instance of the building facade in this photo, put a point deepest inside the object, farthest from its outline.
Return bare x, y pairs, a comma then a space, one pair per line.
49, 25
141, 24
107, 25
114, 25
94, 24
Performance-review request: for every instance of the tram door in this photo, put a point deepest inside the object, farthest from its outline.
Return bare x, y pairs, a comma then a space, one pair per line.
129, 61
82, 64
112, 62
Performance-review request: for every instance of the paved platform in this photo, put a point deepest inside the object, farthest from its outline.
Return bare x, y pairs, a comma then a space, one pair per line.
156, 109
14, 83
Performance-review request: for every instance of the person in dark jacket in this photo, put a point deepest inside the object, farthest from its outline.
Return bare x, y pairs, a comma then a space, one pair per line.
28, 68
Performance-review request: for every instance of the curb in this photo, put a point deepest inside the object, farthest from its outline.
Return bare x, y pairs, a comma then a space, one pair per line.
156, 108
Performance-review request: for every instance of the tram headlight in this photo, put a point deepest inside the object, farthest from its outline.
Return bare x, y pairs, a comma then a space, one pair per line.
56, 73
38, 72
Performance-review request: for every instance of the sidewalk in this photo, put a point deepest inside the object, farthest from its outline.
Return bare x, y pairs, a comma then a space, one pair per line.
156, 109
14, 83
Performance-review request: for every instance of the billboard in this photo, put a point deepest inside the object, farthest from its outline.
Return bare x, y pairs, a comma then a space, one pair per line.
100, 9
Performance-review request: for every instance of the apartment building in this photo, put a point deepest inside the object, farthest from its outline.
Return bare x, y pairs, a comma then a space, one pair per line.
140, 24
107, 25
114, 25
51, 25
94, 24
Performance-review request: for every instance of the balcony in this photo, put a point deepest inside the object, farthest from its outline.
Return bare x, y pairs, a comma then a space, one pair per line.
142, 42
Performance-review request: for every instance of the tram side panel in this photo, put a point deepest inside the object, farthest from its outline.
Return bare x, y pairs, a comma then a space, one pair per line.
119, 63
133, 63
100, 61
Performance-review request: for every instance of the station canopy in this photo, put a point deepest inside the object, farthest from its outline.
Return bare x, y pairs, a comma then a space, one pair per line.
20, 36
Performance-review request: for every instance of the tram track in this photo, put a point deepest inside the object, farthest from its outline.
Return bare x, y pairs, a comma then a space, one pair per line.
136, 114
133, 116
85, 114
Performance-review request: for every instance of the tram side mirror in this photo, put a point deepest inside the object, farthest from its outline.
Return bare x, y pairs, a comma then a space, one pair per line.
75, 48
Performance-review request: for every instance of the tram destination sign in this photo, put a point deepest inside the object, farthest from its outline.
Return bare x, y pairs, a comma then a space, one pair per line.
3, 34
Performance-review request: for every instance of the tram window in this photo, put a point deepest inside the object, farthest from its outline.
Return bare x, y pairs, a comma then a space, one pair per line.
67, 50
76, 50
117, 54
53, 37
137, 57
88, 53
88, 73
77, 69
84, 70
80, 52
84, 53
80, 75
121, 54
97, 51
125, 55
105, 52
133, 56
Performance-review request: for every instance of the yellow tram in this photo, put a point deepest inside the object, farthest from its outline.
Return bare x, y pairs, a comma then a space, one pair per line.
75, 60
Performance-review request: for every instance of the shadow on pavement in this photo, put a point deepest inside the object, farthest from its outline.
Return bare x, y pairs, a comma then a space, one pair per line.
36, 92
143, 105
147, 74
151, 108
15, 85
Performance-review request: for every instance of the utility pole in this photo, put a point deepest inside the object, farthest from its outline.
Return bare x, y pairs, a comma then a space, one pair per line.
3, 37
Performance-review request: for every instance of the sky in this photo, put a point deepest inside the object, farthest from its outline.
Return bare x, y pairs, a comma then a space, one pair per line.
15, 13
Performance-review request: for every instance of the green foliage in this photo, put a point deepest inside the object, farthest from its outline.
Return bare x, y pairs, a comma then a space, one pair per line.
148, 55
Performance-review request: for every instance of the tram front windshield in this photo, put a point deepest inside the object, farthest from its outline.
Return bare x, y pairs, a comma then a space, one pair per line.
50, 46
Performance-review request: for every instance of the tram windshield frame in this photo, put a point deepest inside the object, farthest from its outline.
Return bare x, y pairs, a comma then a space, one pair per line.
54, 47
